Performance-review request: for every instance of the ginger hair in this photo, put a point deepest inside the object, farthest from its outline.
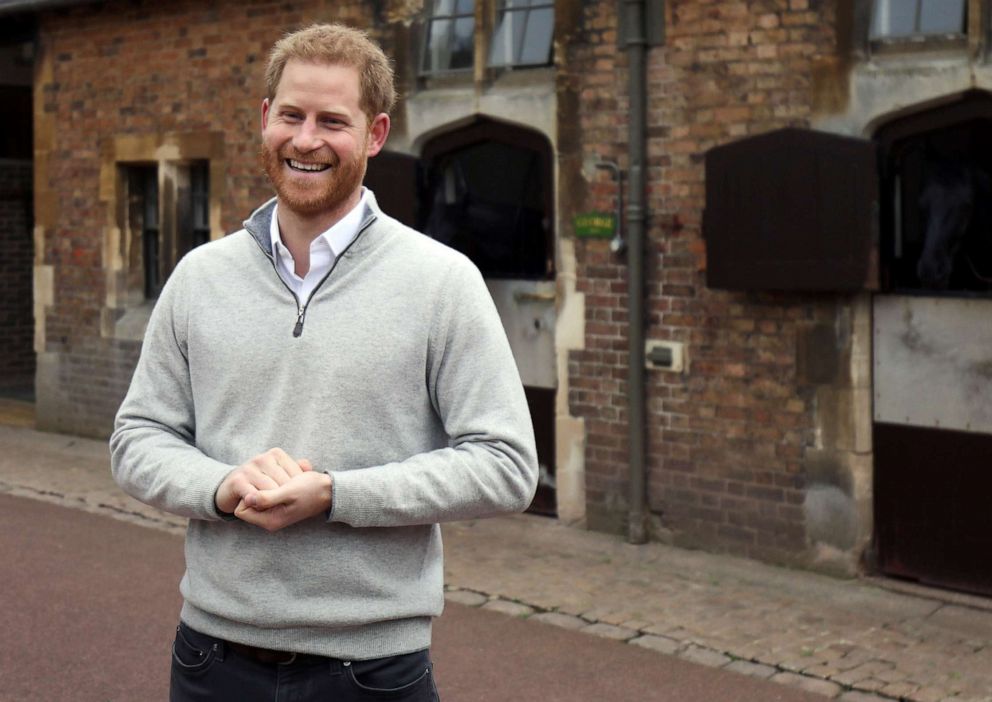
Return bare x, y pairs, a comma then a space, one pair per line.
336, 44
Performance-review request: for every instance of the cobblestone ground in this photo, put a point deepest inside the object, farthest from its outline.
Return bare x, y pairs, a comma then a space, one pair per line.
845, 639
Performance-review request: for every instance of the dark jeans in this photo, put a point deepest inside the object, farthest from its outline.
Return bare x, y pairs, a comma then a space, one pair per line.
205, 668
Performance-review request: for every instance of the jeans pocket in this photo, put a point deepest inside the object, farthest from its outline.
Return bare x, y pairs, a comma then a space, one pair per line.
406, 677
192, 653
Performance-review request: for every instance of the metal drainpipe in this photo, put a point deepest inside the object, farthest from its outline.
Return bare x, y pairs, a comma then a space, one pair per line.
635, 45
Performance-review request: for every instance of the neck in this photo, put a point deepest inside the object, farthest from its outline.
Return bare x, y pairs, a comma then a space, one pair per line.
298, 230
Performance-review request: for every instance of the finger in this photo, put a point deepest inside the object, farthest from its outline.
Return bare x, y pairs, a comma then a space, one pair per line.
267, 499
255, 479
227, 496
271, 520
288, 463
292, 469
269, 464
305, 465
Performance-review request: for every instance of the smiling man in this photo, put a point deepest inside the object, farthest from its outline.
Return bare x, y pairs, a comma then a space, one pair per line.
316, 392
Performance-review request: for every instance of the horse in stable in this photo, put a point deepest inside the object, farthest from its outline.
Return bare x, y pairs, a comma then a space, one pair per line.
957, 244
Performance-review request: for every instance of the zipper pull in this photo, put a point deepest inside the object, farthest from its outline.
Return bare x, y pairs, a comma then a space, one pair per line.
298, 329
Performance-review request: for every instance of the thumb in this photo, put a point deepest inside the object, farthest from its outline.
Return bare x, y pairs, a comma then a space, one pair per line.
265, 499
305, 465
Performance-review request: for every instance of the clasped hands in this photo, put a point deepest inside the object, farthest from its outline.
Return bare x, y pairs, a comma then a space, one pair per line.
273, 490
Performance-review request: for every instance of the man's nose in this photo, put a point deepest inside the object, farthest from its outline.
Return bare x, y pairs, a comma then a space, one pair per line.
306, 139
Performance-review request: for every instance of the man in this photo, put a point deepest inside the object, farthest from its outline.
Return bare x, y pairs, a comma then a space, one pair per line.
315, 393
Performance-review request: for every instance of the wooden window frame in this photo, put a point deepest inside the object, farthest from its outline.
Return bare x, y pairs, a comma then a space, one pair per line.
975, 40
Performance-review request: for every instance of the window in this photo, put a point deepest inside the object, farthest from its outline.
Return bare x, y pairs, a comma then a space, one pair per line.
909, 19
164, 195
450, 40
142, 201
523, 34
517, 33
161, 230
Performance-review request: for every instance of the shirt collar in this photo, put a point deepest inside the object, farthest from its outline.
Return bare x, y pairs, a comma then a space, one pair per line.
337, 238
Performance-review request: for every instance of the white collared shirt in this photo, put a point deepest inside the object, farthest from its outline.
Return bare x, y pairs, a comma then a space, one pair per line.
324, 250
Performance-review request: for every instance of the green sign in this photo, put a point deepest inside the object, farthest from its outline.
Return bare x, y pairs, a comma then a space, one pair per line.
595, 225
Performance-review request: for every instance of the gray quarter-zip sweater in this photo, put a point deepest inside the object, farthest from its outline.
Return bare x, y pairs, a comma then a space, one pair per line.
395, 378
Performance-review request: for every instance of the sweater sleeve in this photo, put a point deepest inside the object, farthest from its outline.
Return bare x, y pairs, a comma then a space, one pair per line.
153, 447
490, 466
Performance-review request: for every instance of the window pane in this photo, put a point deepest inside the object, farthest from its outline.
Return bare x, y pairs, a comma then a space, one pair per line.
516, 22
436, 56
450, 45
150, 234
466, 7
150, 193
149, 241
537, 38
501, 49
894, 18
463, 43
942, 17
200, 187
443, 7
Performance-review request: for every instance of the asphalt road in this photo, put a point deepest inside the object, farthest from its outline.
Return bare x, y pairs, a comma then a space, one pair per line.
89, 607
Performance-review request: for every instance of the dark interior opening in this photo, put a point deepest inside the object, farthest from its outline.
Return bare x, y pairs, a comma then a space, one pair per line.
488, 195
17, 356
936, 216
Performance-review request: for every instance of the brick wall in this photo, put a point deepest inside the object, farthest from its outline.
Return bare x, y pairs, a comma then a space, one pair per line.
17, 363
588, 88
133, 68
726, 441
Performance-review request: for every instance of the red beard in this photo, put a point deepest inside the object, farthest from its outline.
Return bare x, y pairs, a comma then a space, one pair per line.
312, 196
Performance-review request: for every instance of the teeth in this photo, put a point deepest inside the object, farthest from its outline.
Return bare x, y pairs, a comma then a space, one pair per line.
311, 167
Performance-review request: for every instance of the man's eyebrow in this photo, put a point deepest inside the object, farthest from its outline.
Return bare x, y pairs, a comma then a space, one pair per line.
342, 113
339, 114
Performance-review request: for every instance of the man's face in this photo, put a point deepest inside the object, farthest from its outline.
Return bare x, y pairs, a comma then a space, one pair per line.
316, 139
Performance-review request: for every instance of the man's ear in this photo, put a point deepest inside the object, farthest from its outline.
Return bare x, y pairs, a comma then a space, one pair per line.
378, 133
265, 112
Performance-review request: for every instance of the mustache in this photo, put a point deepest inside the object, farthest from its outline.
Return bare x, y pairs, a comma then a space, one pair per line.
312, 157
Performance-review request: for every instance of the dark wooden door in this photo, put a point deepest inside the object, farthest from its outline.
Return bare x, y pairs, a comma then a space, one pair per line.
933, 517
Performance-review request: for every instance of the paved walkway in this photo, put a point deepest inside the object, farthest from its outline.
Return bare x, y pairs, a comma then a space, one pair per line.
104, 615
854, 641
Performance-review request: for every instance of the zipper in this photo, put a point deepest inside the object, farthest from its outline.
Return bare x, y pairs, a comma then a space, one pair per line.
301, 308
298, 329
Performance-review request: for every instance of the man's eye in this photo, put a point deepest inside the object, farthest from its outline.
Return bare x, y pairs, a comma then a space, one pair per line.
291, 116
